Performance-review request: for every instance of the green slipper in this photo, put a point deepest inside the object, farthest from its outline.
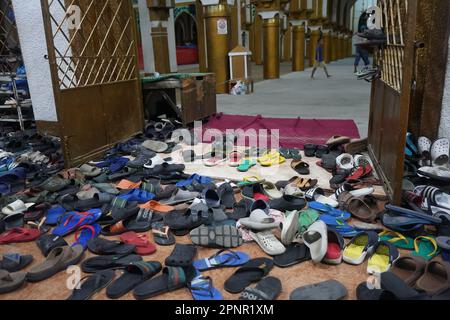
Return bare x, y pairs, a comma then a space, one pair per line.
397, 239
306, 219
425, 247
246, 164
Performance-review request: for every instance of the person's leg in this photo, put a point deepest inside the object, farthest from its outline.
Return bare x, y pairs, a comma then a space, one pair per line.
314, 70
357, 58
325, 69
365, 57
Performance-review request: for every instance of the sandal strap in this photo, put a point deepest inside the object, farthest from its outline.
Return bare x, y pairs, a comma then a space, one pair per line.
176, 276
431, 239
195, 285
117, 228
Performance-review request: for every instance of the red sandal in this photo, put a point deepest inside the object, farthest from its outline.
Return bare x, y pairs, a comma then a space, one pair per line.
143, 246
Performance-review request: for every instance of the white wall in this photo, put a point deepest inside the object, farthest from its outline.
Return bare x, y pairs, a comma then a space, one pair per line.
30, 26
444, 128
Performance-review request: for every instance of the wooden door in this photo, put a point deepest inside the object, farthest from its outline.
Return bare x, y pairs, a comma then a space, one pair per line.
391, 95
92, 50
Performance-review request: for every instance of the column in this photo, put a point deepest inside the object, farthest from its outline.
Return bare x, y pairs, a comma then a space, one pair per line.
326, 45
334, 46
287, 43
315, 35
257, 42
271, 36
217, 26
201, 37
298, 45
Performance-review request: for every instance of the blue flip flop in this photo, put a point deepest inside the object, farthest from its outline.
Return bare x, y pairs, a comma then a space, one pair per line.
72, 221
54, 214
202, 288
402, 223
196, 178
329, 210
222, 259
86, 233
411, 213
410, 146
138, 195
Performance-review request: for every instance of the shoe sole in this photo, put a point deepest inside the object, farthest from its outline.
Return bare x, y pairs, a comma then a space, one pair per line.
288, 233
221, 236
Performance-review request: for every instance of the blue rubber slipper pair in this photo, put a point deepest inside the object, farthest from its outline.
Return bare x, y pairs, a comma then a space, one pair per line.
114, 164
72, 221
86, 233
192, 179
54, 214
339, 225
222, 259
138, 195
323, 208
202, 288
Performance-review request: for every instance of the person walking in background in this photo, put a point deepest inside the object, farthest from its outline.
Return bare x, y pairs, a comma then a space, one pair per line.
319, 62
360, 52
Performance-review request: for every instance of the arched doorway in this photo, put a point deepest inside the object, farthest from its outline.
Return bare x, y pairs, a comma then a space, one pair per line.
186, 38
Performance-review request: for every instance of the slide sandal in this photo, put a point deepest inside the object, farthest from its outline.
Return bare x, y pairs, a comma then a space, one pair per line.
384, 254
425, 247
10, 282
143, 246
252, 271
294, 254
134, 274
435, 278
327, 290
182, 255
222, 259
411, 213
359, 247
14, 262
19, 235
224, 236
54, 214
94, 264
173, 278
409, 269
268, 288
202, 288
226, 194
90, 285
162, 234
246, 164
397, 239
329, 210
104, 247
71, 221
397, 287
86, 233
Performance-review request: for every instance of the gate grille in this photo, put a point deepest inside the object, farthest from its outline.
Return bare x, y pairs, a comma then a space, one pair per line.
98, 48
10, 56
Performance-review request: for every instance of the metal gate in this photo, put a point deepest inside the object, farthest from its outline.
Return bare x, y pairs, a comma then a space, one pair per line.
391, 94
92, 50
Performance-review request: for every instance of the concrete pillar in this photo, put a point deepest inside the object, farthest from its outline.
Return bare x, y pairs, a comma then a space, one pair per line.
315, 35
298, 45
271, 32
334, 46
326, 45
146, 37
217, 26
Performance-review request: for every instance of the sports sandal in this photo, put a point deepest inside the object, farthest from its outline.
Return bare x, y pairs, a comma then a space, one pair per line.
222, 259
133, 275
224, 236
253, 271
162, 235
90, 285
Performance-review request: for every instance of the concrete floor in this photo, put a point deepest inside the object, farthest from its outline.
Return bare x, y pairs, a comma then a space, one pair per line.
296, 95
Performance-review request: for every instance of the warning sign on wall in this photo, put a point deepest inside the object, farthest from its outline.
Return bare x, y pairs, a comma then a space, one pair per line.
222, 26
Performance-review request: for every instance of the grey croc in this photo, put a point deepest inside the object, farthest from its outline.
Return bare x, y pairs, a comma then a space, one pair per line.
328, 290
10, 282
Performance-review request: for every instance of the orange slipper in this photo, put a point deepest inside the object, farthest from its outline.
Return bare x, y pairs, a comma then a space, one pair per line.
156, 206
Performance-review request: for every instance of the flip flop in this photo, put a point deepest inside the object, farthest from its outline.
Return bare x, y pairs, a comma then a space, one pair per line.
102, 247
425, 247
72, 221
222, 259
173, 278
143, 245
86, 233
133, 275
397, 239
294, 254
90, 285
246, 164
202, 288
162, 235
58, 260
329, 210
415, 214
382, 257
234, 159
19, 235
252, 271
92, 265
10, 282
268, 289
271, 158
327, 290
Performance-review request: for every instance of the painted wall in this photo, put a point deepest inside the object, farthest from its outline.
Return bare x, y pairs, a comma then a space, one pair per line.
444, 128
30, 26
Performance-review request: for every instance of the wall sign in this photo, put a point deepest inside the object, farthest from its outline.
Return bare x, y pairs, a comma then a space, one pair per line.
222, 26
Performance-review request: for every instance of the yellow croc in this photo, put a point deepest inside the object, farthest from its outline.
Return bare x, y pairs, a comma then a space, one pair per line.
271, 158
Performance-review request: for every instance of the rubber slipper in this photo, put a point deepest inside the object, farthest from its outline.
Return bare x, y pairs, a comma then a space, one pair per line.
14, 262
409, 269
19, 235
294, 254
306, 219
182, 255
359, 247
252, 271
327, 290
102, 247
72, 221
162, 235
289, 228
143, 245
222, 259
246, 164
398, 288
90, 285
133, 275
440, 152
158, 207
268, 289
14, 221
241, 210
10, 282
94, 264
234, 159
436, 277
415, 214
173, 278
335, 248
425, 247
202, 288
302, 168
58, 260
323, 208
271, 158
226, 194
397, 239
85, 234
191, 179
224, 236
382, 257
